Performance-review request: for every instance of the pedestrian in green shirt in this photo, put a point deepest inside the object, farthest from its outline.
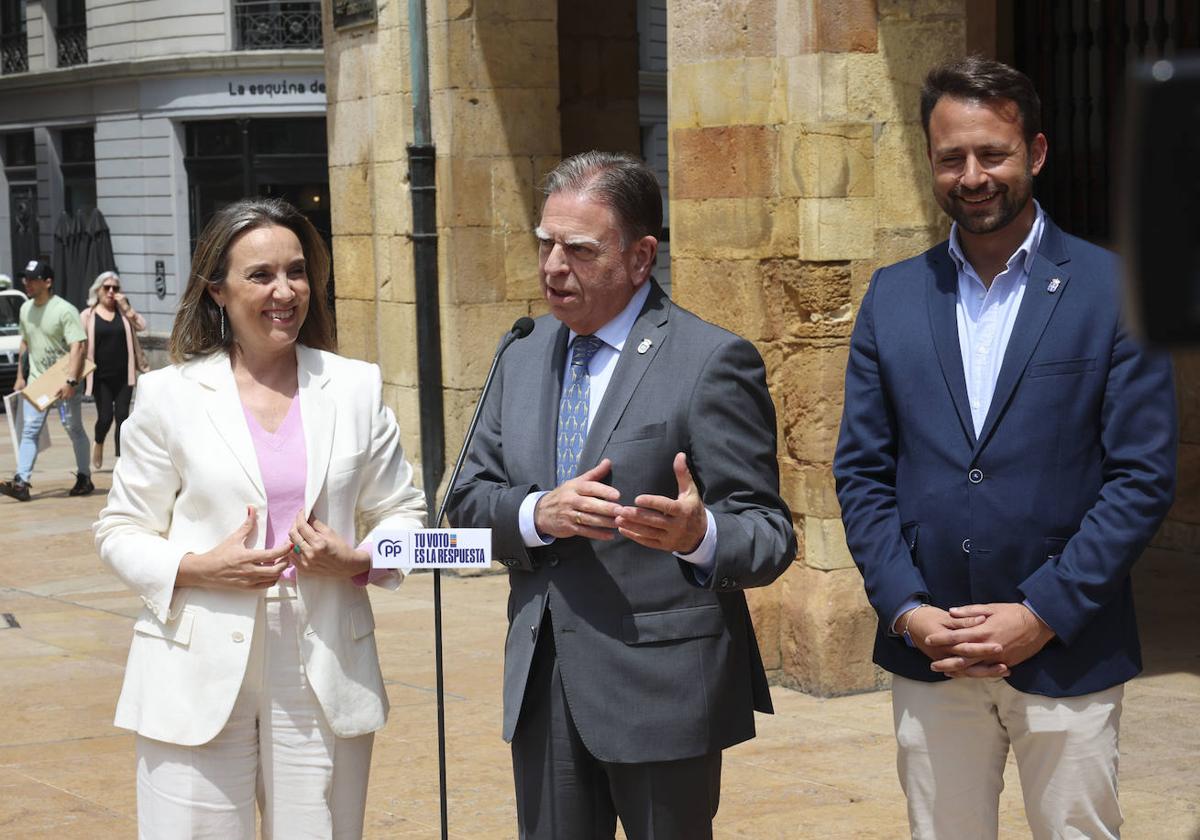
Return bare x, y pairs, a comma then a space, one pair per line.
50, 329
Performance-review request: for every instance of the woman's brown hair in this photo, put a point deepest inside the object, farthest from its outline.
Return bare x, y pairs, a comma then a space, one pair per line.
197, 328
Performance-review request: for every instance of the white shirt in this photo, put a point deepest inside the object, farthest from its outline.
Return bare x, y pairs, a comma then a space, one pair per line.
986, 316
600, 369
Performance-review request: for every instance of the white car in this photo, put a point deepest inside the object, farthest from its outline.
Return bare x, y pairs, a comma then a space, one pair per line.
10, 337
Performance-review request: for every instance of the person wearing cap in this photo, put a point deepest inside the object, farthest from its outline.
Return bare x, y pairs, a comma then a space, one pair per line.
50, 329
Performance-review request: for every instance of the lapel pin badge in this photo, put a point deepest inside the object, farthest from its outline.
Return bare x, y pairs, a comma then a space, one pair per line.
644, 346
1053, 285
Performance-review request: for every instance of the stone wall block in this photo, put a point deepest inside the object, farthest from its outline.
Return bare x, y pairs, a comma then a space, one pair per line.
808, 489
846, 26
834, 83
514, 199
727, 292
825, 544
356, 329
464, 190
350, 199
470, 334
398, 283
872, 88
798, 35
765, 604
348, 128
833, 229
472, 265
806, 299
440, 11
393, 126
734, 228
494, 53
347, 74
392, 205
907, 50
922, 10
807, 381
736, 161
405, 403
827, 633
522, 277
702, 30
827, 160
902, 174
741, 91
802, 89
354, 267
499, 123
388, 61
398, 343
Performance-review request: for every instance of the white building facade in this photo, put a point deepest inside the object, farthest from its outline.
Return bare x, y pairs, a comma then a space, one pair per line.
156, 112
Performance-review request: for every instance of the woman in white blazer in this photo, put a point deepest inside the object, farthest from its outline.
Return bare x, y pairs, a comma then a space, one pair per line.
253, 673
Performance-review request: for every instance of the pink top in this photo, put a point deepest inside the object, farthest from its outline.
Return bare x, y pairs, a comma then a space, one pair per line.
283, 463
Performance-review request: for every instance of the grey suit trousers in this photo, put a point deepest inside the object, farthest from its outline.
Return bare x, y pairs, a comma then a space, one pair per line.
563, 791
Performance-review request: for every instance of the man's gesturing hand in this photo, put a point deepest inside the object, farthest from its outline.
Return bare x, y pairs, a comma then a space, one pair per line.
580, 507
677, 524
1013, 628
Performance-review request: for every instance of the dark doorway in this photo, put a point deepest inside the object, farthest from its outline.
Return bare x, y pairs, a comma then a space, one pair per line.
1077, 53
276, 158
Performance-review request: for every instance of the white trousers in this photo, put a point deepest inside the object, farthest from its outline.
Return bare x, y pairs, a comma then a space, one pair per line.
276, 750
953, 740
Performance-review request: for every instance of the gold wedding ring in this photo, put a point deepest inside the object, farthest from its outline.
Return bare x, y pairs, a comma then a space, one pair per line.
577, 518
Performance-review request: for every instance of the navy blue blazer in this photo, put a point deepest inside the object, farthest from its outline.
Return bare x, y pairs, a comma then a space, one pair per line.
1053, 502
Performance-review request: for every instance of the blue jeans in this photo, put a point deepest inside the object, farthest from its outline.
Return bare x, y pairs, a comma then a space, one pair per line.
70, 413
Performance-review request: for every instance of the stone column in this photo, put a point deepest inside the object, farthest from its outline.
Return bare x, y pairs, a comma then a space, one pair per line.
797, 168
494, 84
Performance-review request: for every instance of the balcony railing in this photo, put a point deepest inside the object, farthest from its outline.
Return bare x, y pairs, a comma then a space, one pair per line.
72, 44
14, 53
271, 25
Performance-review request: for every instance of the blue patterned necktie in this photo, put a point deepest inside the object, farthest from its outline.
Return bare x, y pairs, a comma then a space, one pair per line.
573, 409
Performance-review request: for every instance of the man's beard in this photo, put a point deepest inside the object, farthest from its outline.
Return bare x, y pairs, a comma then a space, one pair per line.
1009, 204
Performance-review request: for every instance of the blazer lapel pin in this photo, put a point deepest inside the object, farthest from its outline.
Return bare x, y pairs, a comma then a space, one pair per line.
1053, 285
644, 346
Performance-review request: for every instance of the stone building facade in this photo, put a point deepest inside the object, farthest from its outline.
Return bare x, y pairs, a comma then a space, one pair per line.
797, 167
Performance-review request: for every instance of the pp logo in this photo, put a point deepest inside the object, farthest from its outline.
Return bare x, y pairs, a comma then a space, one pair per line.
390, 548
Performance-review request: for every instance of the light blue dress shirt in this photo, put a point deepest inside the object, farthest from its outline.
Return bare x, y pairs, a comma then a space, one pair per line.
986, 316
614, 335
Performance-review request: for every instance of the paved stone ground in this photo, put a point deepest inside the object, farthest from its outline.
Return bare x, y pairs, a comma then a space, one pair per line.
819, 768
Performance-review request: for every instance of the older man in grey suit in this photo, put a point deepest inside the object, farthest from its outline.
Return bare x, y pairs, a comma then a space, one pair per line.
626, 464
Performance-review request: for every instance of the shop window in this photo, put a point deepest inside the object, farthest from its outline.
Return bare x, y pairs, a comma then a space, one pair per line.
14, 44
70, 31
276, 24
274, 158
20, 170
78, 168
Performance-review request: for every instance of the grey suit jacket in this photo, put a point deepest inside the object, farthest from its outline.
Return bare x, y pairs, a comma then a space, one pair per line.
655, 666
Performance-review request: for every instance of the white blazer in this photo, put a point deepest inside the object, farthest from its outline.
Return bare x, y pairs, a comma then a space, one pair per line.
187, 472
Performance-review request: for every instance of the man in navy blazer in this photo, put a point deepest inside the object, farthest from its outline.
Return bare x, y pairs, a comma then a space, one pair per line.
1007, 450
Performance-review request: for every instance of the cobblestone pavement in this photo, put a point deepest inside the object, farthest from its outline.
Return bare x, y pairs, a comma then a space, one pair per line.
818, 769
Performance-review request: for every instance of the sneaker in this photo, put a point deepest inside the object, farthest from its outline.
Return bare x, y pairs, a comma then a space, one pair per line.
83, 486
16, 488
